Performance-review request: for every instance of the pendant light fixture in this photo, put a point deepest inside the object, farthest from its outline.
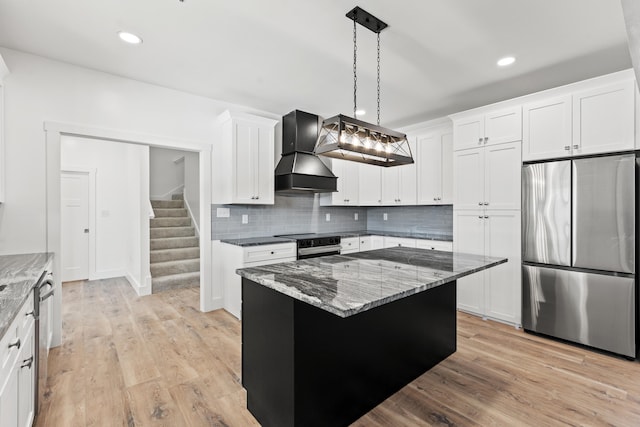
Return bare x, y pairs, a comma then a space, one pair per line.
348, 138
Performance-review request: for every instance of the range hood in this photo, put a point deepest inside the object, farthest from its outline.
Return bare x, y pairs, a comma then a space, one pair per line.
299, 170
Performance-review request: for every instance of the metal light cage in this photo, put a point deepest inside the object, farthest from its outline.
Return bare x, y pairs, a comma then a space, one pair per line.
343, 137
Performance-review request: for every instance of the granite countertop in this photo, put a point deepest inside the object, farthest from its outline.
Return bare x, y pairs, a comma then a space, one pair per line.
349, 284
18, 275
257, 241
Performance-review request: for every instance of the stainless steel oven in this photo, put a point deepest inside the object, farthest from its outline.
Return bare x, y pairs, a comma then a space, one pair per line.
315, 245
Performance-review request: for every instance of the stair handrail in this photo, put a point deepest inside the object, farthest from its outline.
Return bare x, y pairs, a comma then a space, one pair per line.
151, 213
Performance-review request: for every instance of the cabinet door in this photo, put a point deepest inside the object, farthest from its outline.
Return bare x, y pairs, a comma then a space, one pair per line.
26, 378
365, 243
468, 237
446, 144
263, 174
468, 179
351, 183
245, 161
2, 149
339, 197
468, 132
503, 282
503, 126
429, 160
390, 242
369, 180
390, 187
603, 119
547, 129
502, 172
407, 180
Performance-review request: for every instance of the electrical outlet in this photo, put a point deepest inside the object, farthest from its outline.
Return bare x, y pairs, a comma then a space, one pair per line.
385, 216
222, 212
328, 217
245, 219
355, 216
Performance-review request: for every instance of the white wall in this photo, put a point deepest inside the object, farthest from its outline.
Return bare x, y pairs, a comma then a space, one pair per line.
117, 198
192, 186
38, 90
166, 173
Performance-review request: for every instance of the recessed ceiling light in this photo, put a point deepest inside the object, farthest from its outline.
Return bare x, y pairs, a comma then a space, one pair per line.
129, 37
360, 112
507, 60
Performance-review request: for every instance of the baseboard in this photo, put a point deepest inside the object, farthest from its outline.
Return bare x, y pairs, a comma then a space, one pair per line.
141, 290
107, 274
193, 219
214, 304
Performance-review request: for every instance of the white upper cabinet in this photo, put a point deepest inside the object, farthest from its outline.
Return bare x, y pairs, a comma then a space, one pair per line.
243, 160
546, 128
347, 185
369, 189
488, 177
603, 119
495, 127
600, 118
398, 185
434, 161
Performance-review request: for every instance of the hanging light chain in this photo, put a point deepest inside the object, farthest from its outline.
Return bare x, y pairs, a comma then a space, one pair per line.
355, 76
378, 78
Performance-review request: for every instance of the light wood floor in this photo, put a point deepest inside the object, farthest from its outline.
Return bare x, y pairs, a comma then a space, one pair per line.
158, 360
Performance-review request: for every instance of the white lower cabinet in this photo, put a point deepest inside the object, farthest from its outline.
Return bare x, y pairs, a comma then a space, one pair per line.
369, 243
390, 242
496, 292
437, 245
234, 257
349, 245
17, 370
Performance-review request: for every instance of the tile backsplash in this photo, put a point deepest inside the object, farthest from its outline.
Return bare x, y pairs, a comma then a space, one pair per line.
303, 214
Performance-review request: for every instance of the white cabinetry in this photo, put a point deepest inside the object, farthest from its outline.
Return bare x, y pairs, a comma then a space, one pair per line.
488, 177
399, 185
347, 186
17, 378
496, 292
494, 127
434, 161
594, 120
243, 160
369, 243
3, 72
234, 257
390, 242
370, 179
437, 245
349, 245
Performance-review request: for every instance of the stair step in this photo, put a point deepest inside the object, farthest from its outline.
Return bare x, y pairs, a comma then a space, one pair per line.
163, 255
167, 203
160, 232
170, 212
169, 221
168, 268
174, 242
175, 281
177, 196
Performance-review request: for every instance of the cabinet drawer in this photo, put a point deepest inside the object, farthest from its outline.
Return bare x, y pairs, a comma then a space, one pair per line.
437, 245
25, 318
269, 252
349, 245
390, 242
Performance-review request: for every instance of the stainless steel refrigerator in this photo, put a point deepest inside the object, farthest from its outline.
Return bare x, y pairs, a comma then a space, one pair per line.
578, 251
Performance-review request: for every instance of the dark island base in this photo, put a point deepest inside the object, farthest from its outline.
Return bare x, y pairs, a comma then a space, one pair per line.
303, 366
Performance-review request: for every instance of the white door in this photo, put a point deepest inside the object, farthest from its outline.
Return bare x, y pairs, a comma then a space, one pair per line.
74, 189
390, 186
369, 180
502, 176
246, 163
547, 128
446, 145
468, 132
503, 126
428, 157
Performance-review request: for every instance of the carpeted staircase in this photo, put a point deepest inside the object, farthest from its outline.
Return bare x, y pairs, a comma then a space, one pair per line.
175, 249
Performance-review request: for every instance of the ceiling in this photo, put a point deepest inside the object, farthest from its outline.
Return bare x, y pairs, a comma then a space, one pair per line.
438, 56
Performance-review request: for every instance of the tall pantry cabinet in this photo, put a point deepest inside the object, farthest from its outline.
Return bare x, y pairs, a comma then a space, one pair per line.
486, 209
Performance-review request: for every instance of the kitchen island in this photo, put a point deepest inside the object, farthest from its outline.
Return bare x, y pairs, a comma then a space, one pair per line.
325, 340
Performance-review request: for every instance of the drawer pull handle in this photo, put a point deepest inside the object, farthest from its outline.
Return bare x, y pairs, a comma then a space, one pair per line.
26, 363
15, 344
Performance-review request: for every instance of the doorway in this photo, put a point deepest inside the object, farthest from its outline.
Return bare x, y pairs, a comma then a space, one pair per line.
74, 200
